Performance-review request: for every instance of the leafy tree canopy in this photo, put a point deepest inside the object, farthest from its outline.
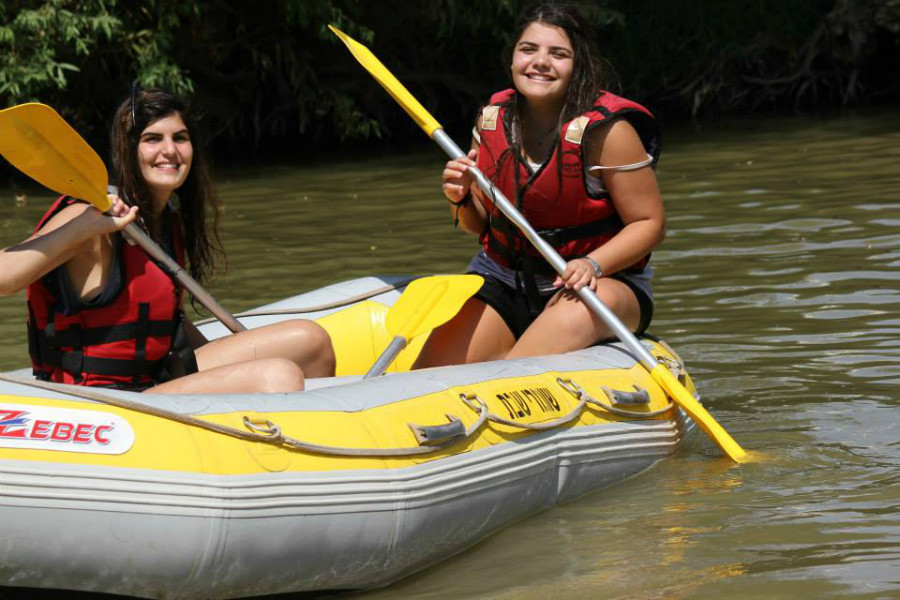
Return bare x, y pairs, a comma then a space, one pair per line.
270, 74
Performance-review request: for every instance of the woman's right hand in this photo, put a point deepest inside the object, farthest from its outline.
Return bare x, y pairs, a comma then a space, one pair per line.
457, 177
119, 216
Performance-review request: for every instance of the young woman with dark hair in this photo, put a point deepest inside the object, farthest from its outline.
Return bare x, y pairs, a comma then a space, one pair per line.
578, 162
103, 313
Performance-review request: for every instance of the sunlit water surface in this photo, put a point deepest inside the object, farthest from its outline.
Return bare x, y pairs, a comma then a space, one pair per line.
778, 284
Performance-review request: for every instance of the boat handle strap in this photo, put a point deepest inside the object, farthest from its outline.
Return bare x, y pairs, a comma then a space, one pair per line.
576, 390
428, 435
639, 397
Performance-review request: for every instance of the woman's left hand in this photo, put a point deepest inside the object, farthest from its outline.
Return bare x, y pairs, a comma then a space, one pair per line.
579, 273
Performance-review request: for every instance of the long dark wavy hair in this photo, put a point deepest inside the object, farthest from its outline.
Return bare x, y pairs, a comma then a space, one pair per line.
196, 196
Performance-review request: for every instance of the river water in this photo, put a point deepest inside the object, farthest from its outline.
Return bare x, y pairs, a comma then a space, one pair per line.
777, 283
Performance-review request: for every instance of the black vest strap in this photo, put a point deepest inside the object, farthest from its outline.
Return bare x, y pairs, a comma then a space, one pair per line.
76, 337
75, 363
561, 235
46, 346
181, 359
555, 237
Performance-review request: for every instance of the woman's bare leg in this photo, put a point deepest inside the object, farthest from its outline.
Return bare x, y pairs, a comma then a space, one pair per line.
568, 324
267, 375
477, 333
270, 359
302, 342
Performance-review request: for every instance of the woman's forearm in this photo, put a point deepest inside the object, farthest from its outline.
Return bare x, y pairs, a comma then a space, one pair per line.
26, 262
470, 216
634, 242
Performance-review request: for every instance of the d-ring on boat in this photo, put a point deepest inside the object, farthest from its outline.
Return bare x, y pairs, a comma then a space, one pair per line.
353, 483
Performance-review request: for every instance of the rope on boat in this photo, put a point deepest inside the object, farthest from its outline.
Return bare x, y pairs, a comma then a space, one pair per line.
584, 400
431, 438
273, 430
577, 391
262, 431
319, 307
97, 396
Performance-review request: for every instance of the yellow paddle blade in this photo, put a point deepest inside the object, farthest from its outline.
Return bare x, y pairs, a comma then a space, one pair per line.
430, 302
387, 80
701, 417
39, 142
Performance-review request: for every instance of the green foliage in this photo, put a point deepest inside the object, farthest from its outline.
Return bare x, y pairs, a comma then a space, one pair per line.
270, 72
41, 46
758, 54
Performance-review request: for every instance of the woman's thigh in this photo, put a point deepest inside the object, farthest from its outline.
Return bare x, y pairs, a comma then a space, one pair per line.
267, 375
303, 342
477, 333
568, 324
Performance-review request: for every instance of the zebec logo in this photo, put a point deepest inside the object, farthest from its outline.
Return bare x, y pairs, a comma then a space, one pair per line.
63, 429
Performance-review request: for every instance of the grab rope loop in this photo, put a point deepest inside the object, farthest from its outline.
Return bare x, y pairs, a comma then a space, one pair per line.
274, 435
472, 400
264, 427
576, 390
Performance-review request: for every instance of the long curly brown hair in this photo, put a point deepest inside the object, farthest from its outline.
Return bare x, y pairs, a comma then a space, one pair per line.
196, 196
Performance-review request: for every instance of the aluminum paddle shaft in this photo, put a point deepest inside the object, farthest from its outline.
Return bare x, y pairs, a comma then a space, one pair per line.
140, 237
659, 372
548, 252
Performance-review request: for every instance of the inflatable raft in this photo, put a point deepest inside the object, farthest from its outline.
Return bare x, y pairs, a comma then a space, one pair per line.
353, 483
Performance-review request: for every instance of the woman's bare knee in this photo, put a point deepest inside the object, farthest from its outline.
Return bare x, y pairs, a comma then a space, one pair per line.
317, 351
278, 375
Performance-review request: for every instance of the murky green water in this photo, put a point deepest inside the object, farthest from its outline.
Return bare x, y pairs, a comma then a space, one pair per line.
778, 283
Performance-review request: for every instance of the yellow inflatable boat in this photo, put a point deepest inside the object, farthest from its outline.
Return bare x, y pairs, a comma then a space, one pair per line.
351, 484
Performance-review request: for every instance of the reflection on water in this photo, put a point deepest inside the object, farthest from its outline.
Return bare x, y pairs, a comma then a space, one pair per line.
778, 284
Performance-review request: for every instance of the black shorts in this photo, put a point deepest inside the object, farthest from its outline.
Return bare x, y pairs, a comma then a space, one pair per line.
512, 306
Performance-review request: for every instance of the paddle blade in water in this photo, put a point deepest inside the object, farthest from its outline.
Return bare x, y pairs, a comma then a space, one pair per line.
39, 142
430, 302
390, 83
695, 410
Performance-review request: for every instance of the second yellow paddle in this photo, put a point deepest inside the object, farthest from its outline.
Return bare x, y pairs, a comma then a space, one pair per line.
660, 373
39, 142
426, 303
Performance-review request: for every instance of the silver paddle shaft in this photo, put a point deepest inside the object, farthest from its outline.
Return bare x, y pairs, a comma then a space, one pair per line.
548, 252
140, 237
387, 357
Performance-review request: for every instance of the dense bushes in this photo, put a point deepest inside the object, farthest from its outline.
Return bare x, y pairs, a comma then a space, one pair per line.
270, 74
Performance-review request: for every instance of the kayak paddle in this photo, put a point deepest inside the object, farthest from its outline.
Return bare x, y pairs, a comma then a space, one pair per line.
661, 375
39, 142
426, 303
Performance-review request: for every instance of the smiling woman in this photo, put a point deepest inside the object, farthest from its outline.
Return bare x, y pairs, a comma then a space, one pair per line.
542, 69
102, 312
577, 160
165, 152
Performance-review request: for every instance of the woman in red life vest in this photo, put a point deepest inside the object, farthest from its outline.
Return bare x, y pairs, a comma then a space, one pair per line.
103, 313
578, 163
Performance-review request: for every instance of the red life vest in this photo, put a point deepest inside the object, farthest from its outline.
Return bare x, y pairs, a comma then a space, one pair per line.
120, 343
554, 198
